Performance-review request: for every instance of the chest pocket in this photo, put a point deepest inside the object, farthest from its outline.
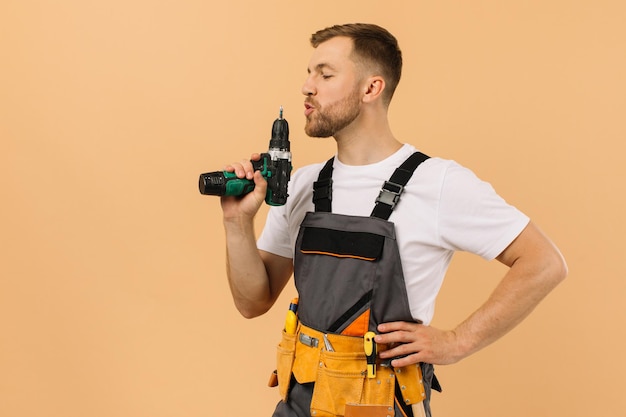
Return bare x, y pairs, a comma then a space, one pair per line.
342, 244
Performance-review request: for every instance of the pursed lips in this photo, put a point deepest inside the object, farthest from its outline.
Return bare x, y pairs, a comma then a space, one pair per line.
308, 108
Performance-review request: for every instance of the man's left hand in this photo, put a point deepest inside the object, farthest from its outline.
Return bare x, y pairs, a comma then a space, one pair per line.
413, 343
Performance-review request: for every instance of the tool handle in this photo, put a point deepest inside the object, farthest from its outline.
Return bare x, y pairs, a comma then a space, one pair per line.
418, 409
370, 353
291, 321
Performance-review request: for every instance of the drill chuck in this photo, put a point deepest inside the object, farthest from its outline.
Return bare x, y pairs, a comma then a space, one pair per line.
280, 134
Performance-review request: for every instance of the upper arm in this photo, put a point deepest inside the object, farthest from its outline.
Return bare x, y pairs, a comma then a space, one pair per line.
533, 251
279, 269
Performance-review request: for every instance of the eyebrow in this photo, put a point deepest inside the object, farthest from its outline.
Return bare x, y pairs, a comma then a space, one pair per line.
321, 66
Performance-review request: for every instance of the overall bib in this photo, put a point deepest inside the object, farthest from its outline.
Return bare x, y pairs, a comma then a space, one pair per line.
349, 278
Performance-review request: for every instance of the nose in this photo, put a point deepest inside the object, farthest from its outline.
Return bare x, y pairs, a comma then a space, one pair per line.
308, 89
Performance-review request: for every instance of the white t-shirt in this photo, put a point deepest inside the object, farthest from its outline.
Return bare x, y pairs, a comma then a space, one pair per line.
444, 208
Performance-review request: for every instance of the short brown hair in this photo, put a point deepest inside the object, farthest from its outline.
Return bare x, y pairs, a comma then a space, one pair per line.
371, 43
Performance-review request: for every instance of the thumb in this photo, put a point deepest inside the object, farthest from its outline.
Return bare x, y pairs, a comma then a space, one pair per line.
260, 185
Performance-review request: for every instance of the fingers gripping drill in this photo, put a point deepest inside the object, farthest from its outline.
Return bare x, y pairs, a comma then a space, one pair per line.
275, 166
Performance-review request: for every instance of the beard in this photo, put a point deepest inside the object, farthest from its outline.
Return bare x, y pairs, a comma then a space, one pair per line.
326, 121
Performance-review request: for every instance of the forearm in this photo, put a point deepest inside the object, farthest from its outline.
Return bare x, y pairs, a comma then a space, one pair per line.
511, 302
247, 275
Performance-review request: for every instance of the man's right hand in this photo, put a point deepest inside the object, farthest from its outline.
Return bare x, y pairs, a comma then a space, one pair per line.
248, 205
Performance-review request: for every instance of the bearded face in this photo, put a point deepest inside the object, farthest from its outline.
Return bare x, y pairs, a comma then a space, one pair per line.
331, 118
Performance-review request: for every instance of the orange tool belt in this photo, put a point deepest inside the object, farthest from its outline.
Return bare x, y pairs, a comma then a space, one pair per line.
338, 366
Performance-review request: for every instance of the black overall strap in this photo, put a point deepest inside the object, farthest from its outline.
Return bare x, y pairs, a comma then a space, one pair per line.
392, 189
323, 188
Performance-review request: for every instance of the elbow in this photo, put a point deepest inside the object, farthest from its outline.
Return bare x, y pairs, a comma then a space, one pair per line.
248, 314
558, 269
251, 311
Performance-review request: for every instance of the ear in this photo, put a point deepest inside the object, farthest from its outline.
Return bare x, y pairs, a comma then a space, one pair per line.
373, 89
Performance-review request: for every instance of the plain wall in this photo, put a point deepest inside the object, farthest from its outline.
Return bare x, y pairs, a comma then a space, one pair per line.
113, 294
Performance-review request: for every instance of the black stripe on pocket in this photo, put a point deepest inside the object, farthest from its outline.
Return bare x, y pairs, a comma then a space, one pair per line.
338, 243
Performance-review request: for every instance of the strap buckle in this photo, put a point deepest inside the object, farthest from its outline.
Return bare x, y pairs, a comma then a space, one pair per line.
323, 189
390, 194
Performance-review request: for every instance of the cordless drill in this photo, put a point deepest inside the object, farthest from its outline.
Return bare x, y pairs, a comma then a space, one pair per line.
275, 166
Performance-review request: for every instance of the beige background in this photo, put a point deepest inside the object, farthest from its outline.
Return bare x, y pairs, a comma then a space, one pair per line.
113, 296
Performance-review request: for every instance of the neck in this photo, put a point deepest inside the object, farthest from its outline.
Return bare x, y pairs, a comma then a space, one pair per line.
364, 143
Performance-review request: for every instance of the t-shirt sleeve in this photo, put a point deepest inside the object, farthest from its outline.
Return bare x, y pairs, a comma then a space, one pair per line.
472, 217
275, 235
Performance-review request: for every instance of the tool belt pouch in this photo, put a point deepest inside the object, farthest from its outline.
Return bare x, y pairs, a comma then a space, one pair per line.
342, 380
285, 354
411, 383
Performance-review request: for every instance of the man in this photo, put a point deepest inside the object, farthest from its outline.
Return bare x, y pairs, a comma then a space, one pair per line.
364, 258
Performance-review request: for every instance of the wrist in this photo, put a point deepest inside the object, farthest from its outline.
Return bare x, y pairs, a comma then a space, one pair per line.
464, 343
238, 223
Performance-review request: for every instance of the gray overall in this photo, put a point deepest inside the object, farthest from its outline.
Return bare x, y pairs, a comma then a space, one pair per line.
348, 274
